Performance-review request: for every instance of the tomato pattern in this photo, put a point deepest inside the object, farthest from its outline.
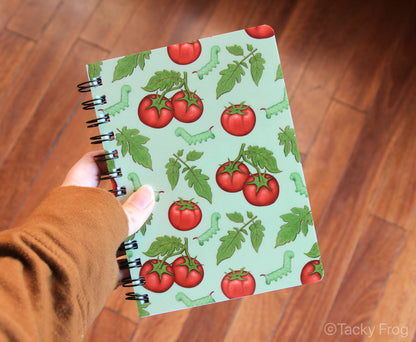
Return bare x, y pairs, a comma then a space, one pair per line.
193, 126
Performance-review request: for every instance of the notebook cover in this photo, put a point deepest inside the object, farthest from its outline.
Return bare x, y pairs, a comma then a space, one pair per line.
207, 124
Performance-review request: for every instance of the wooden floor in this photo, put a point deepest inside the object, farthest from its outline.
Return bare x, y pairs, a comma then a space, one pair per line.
350, 70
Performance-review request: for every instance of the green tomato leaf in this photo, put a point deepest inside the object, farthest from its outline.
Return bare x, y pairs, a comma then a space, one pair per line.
230, 76
236, 50
172, 171
132, 142
230, 243
262, 157
125, 67
288, 139
236, 217
141, 307
163, 80
142, 56
94, 70
193, 155
314, 252
256, 67
256, 234
279, 73
198, 181
164, 246
299, 219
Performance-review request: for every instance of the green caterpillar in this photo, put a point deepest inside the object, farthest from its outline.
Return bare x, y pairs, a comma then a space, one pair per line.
182, 297
134, 178
282, 271
213, 62
300, 187
278, 107
194, 139
204, 237
122, 104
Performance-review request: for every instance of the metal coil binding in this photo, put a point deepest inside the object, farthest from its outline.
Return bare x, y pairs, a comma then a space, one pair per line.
128, 282
98, 121
106, 156
90, 104
99, 139
85, 87
115, 173
126, 264
135, 296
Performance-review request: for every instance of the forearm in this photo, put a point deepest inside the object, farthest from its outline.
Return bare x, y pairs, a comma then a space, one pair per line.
59, 267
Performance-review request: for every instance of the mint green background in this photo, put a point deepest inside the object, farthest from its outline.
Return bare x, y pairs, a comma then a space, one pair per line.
163, 143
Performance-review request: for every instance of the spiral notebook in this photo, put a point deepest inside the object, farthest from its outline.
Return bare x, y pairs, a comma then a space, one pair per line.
207, 124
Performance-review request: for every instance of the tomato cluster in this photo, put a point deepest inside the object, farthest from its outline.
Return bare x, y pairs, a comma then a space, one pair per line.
258, 189
159, 275
157, 111
238, 284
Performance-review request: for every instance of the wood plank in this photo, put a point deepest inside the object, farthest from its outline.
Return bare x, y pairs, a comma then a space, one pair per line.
14, 50
43, 129
297, 42
32, 17
395, 308
7, 10
330, 154
350, 205
257, 316
125, 308
338, 42
200, 325
362, 78
107, 22
365, 279
396, 199
41, 66
273, 13
110, 327
239, 10
161, 328
178, 21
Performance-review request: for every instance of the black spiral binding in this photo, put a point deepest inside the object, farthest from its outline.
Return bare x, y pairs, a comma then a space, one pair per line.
102, 119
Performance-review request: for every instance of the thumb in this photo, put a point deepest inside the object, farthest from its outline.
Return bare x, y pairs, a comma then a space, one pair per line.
138, 207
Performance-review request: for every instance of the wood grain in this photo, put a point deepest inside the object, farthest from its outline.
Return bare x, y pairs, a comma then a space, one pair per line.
365, 278
32, 17
107, 22
330, 154
350, 73
14, 50
35, 76
395, 308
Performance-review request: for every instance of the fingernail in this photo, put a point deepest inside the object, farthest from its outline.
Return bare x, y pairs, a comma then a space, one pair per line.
143, 197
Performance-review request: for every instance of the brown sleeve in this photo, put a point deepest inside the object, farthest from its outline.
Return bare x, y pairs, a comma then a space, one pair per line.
59, 267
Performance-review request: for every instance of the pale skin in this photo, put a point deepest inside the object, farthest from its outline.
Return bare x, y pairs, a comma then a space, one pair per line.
137, 207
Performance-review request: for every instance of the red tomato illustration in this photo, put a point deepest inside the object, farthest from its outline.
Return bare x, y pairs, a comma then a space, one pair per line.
238, 284
187, 107
185, 53
158, 277
231, 176
184, 215
188, 272
238, 119
261, 191
155, 112
261, 31
311, 272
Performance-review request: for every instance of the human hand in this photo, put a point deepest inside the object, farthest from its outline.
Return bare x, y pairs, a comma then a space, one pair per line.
138, 206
